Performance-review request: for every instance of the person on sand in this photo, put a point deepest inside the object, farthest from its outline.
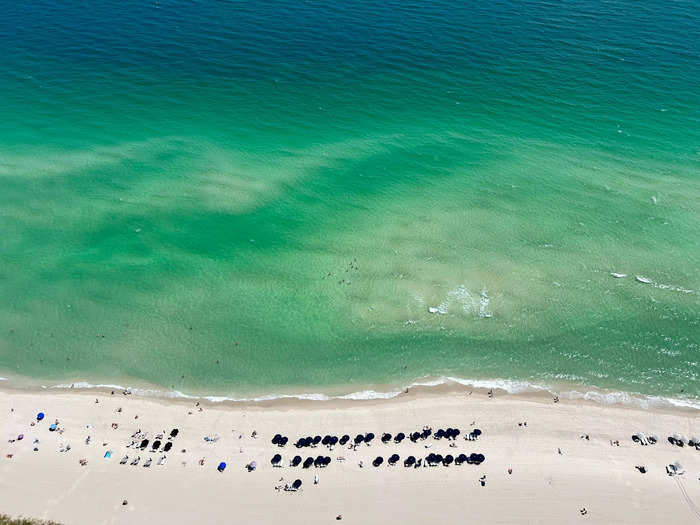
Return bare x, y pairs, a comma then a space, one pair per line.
315, 479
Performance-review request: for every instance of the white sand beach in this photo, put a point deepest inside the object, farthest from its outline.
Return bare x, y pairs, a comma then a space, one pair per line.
545, 486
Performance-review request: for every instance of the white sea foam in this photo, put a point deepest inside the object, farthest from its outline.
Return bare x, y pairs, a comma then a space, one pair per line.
484, 304
507, 385
462, 298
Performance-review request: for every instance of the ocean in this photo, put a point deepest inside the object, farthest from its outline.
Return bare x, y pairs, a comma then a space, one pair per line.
245, 198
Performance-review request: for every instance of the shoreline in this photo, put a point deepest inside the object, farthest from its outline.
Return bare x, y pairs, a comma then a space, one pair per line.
521, 432
435, 386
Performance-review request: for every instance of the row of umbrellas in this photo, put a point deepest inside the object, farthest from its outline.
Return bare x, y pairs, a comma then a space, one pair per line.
319, 461
156, 445
328, 440
431, 459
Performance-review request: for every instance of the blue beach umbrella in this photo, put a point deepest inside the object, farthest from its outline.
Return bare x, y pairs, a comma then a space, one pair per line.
221, 467
40, 416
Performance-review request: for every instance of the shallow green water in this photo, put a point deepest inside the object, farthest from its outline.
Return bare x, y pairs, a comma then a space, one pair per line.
245, 197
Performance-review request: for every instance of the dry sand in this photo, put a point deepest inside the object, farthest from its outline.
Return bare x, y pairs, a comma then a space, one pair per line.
544, 487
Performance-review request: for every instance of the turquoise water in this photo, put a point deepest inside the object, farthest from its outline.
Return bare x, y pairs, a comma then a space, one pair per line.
243, 196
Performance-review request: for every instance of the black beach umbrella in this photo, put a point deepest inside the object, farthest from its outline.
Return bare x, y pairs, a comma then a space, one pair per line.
344, 439
144, 444
308, 462
276, 439
460, 459
393, 459
470, 459
276, 459
359, 438
455, 433
316, 440
439, 434
168, 446
378, 461
296, 460
479, 459
308, 441
283, 441
410, 460
476, 432
426, 433
300, 442
448, 459
297, 484
386, 437
318, 462
156, 445
399, 437
430, 458
414, 436
369, 437
326, 440
438, 458
174, 432
334, 440
326, 461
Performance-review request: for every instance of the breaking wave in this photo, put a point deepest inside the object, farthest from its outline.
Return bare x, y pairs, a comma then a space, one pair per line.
505, 385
